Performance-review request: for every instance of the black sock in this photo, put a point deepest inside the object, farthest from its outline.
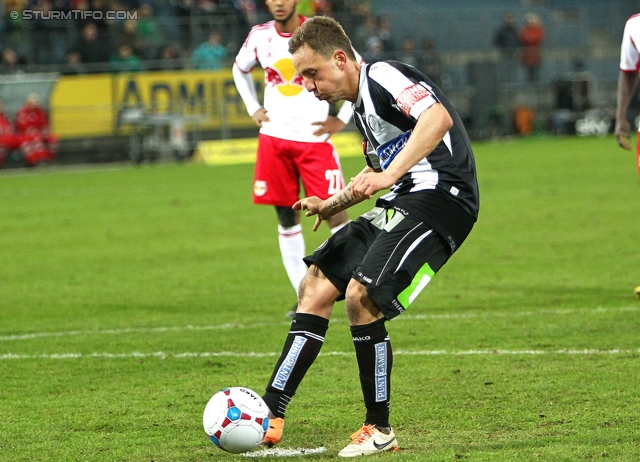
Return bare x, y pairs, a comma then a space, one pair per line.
375, 358
300, 350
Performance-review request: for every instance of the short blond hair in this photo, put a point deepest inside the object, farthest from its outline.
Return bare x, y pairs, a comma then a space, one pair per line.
322, 34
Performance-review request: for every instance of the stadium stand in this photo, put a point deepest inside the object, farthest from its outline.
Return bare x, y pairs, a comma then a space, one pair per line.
580, 50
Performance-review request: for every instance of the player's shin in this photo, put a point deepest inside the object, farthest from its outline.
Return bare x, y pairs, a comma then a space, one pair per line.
301, 349
292, 249
375, 358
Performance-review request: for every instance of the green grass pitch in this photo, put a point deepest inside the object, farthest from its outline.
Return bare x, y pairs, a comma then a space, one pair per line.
129, 295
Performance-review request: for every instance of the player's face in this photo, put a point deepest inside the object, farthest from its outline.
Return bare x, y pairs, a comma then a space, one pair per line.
282, 10
321, 76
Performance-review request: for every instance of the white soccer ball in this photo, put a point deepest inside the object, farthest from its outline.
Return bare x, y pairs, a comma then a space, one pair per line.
236, 419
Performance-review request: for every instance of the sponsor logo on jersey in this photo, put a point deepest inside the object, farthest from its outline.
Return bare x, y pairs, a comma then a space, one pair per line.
381, 372
410, 96
260, 188
283, 76
388, 151
289, 362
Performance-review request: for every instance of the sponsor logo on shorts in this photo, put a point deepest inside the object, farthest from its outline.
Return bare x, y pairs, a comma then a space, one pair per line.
289, 362
381, 372
362, 339
396, 304
260, 188
364, 278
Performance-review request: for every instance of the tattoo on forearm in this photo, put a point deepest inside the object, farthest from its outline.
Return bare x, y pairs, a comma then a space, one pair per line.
343, 199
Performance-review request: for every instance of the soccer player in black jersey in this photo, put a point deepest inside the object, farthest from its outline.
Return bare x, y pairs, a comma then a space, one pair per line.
417, 147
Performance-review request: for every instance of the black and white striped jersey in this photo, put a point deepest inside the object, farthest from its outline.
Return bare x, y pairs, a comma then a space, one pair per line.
391, 97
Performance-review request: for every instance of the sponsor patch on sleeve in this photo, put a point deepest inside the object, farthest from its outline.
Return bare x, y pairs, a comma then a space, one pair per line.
410, 96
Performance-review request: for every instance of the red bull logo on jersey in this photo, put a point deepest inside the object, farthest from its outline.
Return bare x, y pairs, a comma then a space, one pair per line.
283, 76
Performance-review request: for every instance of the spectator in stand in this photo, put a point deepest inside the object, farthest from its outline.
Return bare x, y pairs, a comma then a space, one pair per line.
429, 61
130, 36
210, 54
408, 53
36, 141
92, 47
73, 64
531, 37
169, 58
11, 62
367, 29
125, 60
247, 10
384, 34
88, 6
374, 50
149, 31
323, 7
506, 38
15, 33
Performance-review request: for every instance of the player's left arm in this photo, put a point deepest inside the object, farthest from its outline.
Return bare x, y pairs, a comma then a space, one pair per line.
431, 127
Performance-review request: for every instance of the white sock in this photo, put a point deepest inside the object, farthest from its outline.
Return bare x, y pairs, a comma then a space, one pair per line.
337, 228
292, 250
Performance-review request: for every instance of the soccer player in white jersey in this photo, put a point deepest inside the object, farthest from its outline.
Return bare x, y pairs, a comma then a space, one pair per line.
628, 82
417, 147
295, 127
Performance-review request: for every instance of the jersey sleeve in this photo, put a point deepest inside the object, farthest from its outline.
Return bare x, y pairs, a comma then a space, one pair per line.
411, 97
247, 57
629, 56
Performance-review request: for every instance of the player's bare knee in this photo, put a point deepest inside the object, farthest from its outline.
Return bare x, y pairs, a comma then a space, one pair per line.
316, 294
359, 306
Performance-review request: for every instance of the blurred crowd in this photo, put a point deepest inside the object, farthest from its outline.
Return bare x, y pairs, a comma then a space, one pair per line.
174, 34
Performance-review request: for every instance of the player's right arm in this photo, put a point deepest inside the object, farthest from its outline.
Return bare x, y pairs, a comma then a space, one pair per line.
244, 63
325, 209
627, 84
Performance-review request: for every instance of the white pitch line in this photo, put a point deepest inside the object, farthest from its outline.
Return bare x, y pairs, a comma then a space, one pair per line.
253, 354
284, 452
404, 317
134, 330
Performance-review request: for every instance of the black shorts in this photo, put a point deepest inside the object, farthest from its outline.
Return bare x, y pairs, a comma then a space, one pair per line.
390, 252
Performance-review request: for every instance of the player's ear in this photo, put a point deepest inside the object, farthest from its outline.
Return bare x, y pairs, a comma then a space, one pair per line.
340, 59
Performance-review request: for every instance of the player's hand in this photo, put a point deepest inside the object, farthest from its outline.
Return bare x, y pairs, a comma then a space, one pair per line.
313, 206
367, 184
329, 127
260, 116
622, 134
